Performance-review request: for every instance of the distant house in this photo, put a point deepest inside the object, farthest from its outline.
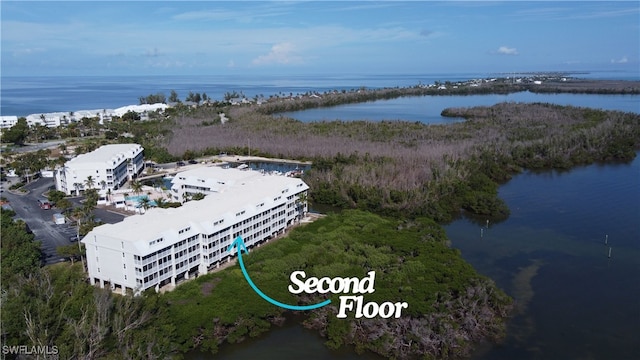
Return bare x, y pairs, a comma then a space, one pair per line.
8, 121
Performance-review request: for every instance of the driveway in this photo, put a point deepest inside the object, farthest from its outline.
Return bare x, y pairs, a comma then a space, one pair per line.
50, 234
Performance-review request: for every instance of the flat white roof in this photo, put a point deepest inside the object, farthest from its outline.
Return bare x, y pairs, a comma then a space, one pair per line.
246, 195
216, 177
104, 154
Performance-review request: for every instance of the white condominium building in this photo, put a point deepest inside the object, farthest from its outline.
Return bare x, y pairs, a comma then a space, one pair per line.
207, 180
164, 246
107, 167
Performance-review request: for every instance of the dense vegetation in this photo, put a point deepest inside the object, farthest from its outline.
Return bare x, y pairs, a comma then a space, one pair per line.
55, 306
412, 172
450, 305
414, 169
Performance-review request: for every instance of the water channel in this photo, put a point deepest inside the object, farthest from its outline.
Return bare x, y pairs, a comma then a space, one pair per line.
573, 299
427, 109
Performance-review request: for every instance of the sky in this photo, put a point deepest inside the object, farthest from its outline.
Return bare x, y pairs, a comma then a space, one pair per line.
306, 37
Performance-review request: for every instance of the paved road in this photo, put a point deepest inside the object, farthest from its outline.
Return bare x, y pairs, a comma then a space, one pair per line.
38, 146
40, 221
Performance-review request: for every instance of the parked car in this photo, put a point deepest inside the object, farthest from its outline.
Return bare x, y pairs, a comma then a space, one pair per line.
180, 163
74, 238
193, 161
44, 204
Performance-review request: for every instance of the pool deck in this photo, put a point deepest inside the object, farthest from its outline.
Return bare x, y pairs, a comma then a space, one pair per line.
220, 160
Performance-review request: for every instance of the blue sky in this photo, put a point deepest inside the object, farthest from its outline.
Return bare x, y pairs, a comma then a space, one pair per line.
329, 37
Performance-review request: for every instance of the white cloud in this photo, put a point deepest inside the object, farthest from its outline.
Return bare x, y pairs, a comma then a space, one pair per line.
505, 50
281, 53
231, 64
622, 60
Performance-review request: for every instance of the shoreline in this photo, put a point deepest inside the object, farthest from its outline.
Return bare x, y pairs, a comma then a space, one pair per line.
553, 83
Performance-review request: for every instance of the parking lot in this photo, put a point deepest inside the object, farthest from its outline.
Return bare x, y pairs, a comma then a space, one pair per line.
41, 222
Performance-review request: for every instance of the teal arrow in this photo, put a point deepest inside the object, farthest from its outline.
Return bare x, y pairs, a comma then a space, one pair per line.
239, 243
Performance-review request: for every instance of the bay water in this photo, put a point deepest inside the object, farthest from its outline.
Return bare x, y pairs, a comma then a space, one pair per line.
427, 109
572, 299
569, 255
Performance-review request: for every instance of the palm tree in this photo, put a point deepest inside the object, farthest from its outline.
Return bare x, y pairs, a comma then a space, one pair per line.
136, 186
146, 203
77, 187
109, 196
103, 184
78, 214
161, 202
301, 201
90, 182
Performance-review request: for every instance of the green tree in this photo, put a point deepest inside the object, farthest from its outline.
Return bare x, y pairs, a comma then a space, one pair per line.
72, 251
30, 163
55, 195
161, 202
89, 182
77, 187
173, 97
64, 204
146, 203
19, 252
136, 186
17, 133
131, 116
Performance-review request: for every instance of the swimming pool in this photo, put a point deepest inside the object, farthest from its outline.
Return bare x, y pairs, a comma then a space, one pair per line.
137, 199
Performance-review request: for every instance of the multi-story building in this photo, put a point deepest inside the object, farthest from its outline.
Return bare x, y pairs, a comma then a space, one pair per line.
207, 180
164, 246
106, 168
7, 122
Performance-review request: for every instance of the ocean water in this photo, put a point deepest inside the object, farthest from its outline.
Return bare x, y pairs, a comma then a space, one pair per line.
22, 96
573, 300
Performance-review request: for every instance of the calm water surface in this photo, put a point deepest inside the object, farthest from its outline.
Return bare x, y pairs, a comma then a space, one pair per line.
26, 95
427, 109
572, 300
